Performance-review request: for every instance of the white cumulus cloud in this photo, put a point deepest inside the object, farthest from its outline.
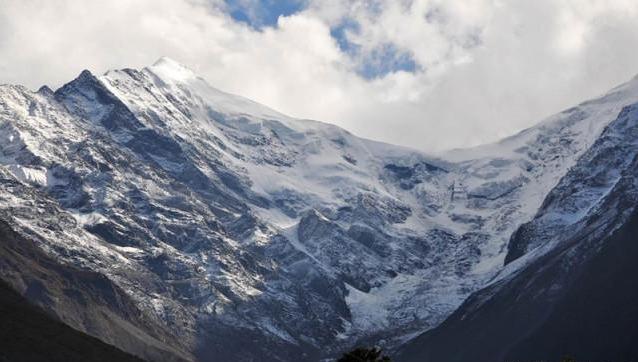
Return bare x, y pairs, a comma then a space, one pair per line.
483, 69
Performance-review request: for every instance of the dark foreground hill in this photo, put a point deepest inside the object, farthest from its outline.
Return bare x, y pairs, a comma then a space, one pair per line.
28, 334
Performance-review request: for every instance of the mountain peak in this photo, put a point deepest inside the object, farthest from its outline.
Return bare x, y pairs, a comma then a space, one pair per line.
164, 60
170, 69
45, 90
86, 74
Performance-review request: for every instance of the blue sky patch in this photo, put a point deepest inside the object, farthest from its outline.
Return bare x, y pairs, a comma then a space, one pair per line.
340, 34
262, 13
387, 59
383, 60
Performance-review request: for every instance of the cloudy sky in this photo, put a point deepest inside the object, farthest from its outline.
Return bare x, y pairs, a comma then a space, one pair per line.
431, 74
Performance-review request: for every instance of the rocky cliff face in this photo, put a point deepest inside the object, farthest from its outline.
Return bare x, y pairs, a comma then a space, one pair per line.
255, 236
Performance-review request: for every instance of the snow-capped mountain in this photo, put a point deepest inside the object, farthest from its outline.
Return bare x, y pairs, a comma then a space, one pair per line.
232, 231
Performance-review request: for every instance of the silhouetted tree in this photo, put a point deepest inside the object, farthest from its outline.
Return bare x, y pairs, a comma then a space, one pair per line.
568, 359
364, 355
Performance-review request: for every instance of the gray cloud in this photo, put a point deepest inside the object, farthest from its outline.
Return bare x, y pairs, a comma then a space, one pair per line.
486, 68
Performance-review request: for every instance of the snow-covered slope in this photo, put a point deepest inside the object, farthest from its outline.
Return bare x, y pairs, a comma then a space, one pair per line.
570, 284
232, 224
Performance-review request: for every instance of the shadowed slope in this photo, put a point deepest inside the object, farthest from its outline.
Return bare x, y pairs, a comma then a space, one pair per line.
29, 334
